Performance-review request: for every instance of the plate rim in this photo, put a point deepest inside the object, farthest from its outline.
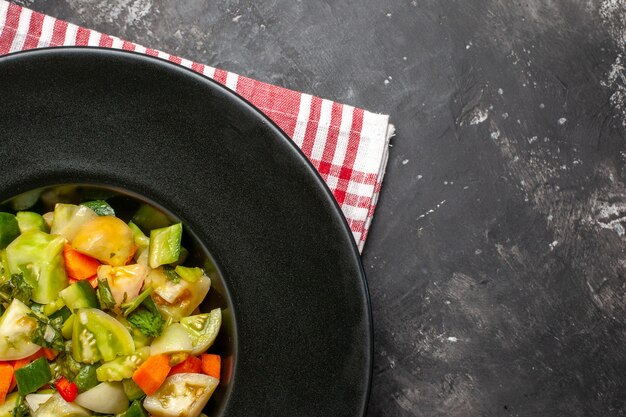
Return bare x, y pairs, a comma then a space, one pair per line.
111, 53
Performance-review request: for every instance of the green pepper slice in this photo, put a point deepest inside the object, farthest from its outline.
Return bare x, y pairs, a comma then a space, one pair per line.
86, 378
33, 376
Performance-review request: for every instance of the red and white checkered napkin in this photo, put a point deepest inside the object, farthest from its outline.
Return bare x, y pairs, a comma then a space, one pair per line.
347, 145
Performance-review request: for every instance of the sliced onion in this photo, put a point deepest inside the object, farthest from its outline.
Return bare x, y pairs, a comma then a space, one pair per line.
35, 400
105, 398
56, 406
174, 338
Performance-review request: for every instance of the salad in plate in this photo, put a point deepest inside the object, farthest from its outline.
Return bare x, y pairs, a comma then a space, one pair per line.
101, 317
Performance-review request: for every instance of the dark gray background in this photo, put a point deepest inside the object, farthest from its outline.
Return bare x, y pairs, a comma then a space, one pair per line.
496, 259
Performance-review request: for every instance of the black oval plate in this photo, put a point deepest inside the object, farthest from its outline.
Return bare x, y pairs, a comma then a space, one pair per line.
89, 115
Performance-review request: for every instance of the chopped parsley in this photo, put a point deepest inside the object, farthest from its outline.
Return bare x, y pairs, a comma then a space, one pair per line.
133, 305
16, 287
147, 318
48, 333
105, 296
65, 365
21, 409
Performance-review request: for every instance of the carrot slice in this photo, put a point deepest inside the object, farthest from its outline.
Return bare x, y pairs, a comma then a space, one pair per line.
19, 363
50, 354
6, 376
77, 265
151, 374
211, 364
191, 365
93, 281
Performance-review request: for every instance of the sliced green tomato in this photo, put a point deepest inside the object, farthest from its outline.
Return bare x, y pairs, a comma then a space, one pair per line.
203, 329
69, 218
174, 338
35, 400
122, 367
6, 409
181, 395
165, 245
97, 336
106, 238
56, 406
177, 300
125, 282
28, 220
105, 398
38, 256
16, 326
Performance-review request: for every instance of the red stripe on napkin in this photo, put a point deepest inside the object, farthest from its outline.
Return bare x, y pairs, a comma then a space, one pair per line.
347, 145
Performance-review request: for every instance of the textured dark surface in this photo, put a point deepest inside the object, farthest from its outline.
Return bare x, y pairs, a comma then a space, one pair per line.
495, 262
304, 337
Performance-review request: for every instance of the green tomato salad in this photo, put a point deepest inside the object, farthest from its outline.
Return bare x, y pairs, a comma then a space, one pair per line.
100, 317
